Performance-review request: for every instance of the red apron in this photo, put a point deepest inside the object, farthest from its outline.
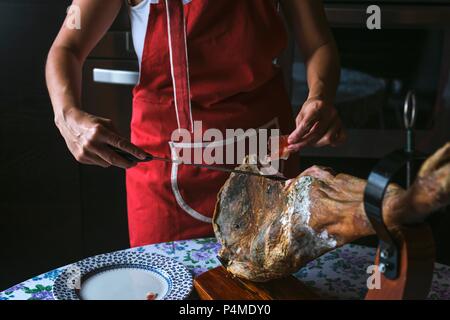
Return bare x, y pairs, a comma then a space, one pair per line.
227, 71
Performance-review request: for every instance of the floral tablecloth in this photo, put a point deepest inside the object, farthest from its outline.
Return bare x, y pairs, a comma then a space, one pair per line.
341, 273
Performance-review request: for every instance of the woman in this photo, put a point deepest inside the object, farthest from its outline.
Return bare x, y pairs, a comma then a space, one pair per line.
200, 60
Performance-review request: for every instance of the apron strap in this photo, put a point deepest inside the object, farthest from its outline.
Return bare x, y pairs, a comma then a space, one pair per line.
176, 29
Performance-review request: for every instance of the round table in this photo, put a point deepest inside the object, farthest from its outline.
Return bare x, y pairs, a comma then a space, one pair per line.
341, 273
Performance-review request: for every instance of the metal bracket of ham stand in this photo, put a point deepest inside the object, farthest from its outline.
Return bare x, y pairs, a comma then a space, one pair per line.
405, 258
374, 193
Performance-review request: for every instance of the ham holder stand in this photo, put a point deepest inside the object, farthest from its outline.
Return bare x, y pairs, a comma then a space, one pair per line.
404, 258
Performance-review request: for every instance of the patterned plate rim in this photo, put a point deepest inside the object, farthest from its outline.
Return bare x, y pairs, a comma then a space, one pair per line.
179, 277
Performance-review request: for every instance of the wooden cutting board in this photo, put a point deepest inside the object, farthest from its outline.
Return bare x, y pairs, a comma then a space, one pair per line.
219, 284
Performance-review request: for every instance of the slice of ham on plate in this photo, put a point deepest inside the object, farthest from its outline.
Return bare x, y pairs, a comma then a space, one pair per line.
151, 296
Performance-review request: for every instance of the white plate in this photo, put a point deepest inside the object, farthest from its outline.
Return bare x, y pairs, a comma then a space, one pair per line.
124, 276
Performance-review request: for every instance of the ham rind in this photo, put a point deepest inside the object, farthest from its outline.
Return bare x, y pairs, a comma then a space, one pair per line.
270, 229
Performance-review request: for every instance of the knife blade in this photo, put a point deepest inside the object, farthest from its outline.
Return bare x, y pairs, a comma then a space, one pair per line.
151, 157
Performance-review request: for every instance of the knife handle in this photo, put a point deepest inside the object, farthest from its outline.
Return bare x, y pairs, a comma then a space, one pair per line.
130, 157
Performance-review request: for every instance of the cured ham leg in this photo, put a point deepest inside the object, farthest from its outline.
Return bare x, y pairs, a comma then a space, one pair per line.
269, 229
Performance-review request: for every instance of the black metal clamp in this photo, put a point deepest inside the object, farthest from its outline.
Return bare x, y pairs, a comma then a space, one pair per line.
374, 193
376, 187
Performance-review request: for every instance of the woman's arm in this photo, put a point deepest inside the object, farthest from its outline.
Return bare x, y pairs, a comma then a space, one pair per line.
318, 123
88, 137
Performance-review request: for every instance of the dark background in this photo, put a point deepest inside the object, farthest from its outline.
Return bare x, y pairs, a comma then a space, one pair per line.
50, 211
54, 211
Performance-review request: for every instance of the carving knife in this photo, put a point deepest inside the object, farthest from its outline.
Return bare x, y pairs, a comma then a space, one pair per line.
151, 157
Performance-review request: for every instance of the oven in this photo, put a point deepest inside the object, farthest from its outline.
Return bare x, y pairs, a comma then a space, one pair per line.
410, 53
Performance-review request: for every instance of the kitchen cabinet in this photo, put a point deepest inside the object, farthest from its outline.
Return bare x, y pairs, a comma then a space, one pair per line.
53, 211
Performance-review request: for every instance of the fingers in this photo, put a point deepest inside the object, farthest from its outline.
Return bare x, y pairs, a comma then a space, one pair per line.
305, 122
304, 126
334, 135
104, 138
317, 132
117, 141
308, 139
328, 137
317, 126
111, 157
95, 147
90, 158
90, 138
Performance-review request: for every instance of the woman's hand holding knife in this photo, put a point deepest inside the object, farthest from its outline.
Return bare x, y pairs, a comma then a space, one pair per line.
90, 138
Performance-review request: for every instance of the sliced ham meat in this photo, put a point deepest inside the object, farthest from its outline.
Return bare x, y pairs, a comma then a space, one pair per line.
269, 229
282, 152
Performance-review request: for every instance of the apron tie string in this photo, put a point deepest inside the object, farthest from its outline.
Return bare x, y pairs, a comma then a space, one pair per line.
177, 39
